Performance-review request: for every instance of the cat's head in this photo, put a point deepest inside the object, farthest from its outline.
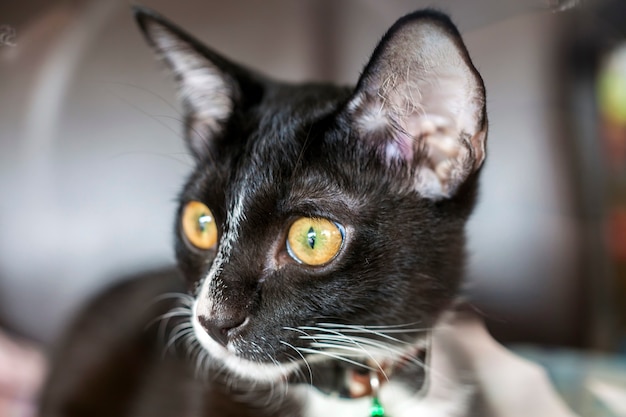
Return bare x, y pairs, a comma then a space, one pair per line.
322, 221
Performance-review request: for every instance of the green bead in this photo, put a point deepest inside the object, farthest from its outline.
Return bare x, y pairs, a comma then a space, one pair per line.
377, 409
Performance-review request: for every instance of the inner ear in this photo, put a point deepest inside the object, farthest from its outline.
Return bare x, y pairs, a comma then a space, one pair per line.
209, 85
420, 101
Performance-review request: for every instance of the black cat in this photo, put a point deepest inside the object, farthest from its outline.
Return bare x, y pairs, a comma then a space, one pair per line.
320, 236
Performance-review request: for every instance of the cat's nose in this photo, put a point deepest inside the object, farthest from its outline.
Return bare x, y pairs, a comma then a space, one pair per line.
220, 327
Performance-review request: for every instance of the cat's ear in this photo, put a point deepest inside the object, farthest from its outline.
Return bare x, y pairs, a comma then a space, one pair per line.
210, 86
421, 102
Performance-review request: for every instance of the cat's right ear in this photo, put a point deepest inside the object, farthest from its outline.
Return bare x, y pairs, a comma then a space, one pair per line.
210, 86
420, 103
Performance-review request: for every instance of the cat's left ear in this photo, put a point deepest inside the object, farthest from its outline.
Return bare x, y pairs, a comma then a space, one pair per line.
421, 102
210, 85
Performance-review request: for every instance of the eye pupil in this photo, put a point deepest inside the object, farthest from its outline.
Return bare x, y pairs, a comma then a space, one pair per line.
203, 221
198, 225
311, 236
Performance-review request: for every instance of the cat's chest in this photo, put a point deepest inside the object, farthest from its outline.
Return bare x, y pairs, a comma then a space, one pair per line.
396, 399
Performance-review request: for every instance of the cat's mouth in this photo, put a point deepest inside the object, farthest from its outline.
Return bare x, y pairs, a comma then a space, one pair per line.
326, 342
231, 359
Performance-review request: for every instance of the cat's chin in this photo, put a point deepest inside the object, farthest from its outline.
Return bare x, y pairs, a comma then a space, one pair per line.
229, 358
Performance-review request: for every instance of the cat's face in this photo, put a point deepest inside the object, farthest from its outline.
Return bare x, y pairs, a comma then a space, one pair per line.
322, 221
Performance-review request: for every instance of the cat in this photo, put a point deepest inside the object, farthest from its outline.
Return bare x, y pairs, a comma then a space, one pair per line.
320, 238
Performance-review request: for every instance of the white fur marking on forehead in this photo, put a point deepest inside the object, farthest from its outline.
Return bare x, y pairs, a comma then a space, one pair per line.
202, 85
234, 218
233, 223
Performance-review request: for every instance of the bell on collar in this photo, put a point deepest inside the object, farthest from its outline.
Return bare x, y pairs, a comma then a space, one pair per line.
376, 410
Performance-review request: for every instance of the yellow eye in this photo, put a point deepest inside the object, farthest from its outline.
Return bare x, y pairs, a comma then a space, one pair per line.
314, 241
199, 225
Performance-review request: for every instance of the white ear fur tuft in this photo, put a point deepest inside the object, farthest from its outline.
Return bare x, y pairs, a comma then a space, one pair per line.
202, 85
207, 92
421, 101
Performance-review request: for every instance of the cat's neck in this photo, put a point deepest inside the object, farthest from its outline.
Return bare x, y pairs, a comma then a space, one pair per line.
354, 378
358, 387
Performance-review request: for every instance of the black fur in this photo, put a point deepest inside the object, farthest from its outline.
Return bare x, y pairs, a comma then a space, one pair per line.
294, 151
289, 151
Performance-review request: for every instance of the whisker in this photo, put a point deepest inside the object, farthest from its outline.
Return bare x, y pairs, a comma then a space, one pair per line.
194, 348
283, 394
346, 341
200, 365
297, 370
329, 336
303, 359
359, 350
384, 347
334, 356
382, 334
385, 332
391, 326
296, 330
175, 312
333, 339
184, 331
182, 297
190, 341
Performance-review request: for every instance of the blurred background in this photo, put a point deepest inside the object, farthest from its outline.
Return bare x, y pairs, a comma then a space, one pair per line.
91, 156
